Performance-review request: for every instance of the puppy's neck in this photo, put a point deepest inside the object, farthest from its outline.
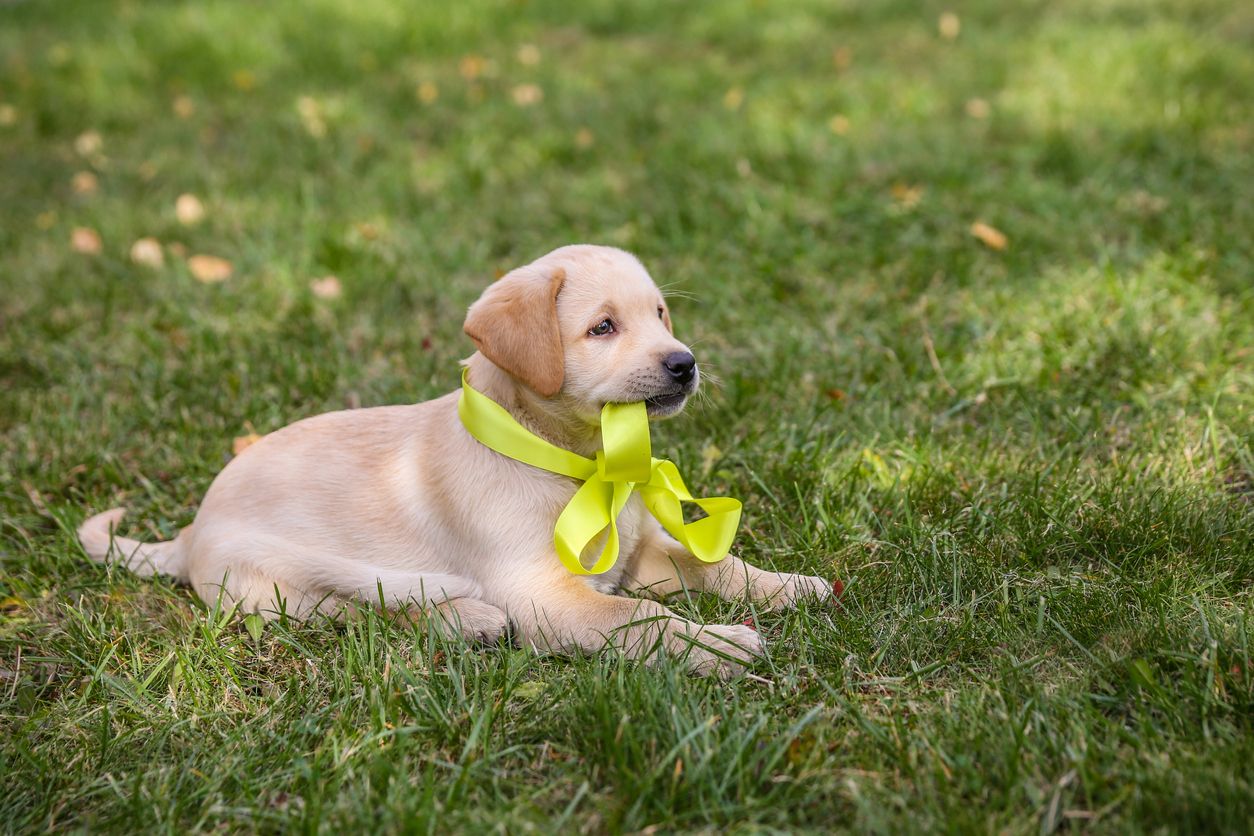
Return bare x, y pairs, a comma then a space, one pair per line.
548, 418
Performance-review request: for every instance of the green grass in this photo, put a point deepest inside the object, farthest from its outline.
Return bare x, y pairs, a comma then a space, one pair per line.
1033, 467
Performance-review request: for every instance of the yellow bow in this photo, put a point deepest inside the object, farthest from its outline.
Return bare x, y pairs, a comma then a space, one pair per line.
625, 464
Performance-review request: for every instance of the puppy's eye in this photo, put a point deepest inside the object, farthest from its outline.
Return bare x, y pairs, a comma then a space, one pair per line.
601, 329
661, 314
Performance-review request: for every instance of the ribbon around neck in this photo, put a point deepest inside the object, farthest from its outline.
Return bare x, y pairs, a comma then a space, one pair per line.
624, 464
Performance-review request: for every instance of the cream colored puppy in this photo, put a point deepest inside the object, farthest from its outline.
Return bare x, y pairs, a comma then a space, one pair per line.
401, 502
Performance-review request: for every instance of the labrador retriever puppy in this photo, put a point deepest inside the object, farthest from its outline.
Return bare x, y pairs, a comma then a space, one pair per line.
401, 505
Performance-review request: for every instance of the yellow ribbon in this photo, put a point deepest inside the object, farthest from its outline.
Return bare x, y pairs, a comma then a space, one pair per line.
624, 464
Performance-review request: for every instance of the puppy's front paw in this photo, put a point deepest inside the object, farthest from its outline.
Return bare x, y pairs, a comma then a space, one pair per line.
724, 650
477, 621
792, 589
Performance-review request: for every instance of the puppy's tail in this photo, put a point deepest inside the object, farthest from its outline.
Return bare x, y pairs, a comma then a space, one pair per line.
145, 559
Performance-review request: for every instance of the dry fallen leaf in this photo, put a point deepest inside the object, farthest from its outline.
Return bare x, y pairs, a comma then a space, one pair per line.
147, 252
989, 236
584, 138
838, 124
470, 67
84, 182
978, 109
529, 55
189, 210
710, 456
183, 107
733, 98
842, 57
8, 115
85, 240
209, 268
88, 143
327, 287
312, 116
244, 80
907, 196
243, 442
428, 92
526, 95
367, 230
949, 26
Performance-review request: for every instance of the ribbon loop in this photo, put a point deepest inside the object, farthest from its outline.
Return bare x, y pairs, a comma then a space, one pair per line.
623, 465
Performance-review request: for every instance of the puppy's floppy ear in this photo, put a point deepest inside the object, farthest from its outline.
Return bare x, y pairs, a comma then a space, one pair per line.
514, 324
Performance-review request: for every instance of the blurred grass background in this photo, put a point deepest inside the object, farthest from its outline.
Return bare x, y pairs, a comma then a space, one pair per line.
1029, 458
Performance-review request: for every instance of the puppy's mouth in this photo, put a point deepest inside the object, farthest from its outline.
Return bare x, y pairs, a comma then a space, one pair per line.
658, 406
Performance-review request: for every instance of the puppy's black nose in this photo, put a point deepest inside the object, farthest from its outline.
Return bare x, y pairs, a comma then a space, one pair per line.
681, 365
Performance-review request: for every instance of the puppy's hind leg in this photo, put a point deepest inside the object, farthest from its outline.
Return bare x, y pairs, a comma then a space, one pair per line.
269, 577
251, 591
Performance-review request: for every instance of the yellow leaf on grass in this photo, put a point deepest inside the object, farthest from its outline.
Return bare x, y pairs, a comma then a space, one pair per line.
529, 55
189, 210
85, 240
949, 26
978, 108
84, 182
312, 116
989, 236
209, 268
183, 107
327, 287
584, 138
8, 115
526, 95
906, 195
147, 252
838, 124
428, 92
710, 457
244, 80
733, 98
471, 67
88, 143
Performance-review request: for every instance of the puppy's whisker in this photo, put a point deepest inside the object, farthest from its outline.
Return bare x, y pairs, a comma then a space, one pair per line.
671, 291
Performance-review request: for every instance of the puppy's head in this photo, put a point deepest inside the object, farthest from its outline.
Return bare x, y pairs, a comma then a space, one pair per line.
588, 326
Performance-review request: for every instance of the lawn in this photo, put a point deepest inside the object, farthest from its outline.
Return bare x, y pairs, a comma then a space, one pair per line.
1027, 447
